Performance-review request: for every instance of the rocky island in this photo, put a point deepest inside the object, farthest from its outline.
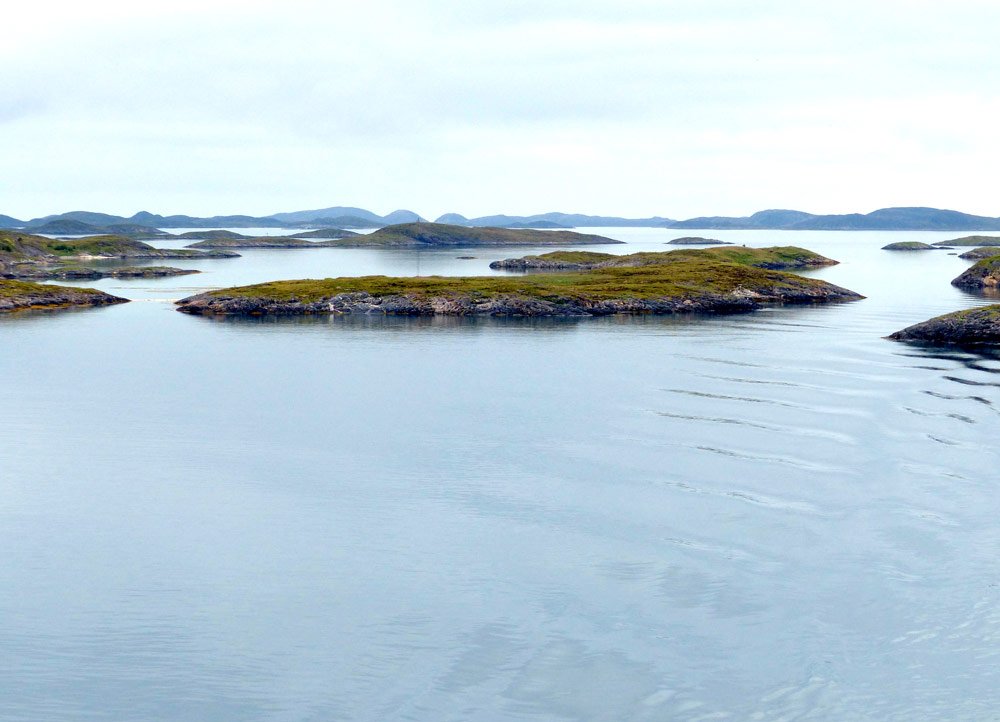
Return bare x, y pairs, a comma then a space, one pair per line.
979, 253
88, 273
206, 235
698, 241
442, 235
28, 256
775, 258
972, 241
688, 282
983, 274
261, 242
964, 328
912, 246
327, 233
24, 295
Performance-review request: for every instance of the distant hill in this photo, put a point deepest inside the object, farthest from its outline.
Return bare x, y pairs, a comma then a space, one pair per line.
401, 216
884, 219
561, 220
332, 216
70, 227
340, 222
424, 235
326, 213
180, 221
88, 217
535, 224
455, 219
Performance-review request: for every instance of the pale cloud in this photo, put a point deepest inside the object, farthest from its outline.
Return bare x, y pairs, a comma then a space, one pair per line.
640, 108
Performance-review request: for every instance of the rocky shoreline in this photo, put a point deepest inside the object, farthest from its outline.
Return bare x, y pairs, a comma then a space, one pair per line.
500, 305
24, 295
912, 246
775, 258
981, 275
696, 282
46, 273
969, 327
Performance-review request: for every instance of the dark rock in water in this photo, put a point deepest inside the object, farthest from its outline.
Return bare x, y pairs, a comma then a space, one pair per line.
911, 246
977, 254
24, 295
698, 241
465, 258
974, 326
984, 274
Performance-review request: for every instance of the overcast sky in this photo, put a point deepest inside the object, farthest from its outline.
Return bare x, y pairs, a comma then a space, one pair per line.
627, 107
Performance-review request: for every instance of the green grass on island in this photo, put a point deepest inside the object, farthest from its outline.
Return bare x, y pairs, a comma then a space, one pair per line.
688, 274
10, 288
774, 257
971, 241
443, 234
23, 295
910, 246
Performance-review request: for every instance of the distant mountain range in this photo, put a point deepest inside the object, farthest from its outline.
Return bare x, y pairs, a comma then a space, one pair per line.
884, 219
552, 220
80, 222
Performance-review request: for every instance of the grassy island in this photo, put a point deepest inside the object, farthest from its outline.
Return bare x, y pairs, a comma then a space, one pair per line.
979, 253
774, 258
972, 241
911, 246
24, 295
443, 235
982, 274
965, 328
263, 242
688, 281
26, 256
697, 241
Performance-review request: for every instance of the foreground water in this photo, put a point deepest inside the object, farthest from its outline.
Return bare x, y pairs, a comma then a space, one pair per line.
776, 516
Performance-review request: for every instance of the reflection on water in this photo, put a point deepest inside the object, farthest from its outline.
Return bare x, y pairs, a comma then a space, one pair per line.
770, 516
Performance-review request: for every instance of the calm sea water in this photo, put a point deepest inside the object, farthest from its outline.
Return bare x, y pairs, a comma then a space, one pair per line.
776, 516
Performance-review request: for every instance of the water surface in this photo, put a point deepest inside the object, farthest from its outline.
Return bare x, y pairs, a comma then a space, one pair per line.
769, 516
